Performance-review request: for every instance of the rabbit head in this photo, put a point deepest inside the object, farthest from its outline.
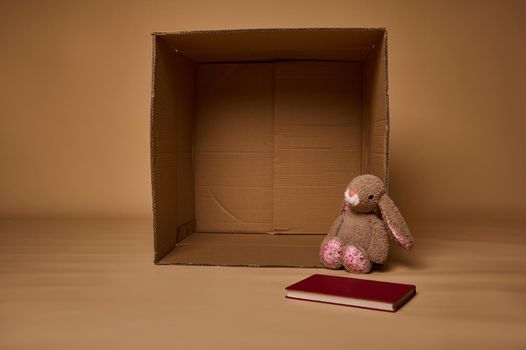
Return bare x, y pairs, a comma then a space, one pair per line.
366, 194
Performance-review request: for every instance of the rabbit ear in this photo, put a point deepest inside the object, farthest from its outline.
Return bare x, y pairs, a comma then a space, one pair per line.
395, 222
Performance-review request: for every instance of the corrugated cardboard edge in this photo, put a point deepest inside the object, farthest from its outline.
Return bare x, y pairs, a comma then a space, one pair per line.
387, 118
152, 177
222, 31
240, 265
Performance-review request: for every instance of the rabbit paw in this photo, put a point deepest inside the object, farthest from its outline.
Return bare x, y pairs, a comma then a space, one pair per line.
355, 260
331, 253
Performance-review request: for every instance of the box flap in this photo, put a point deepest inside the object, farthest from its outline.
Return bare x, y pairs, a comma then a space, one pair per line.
247, 250
171, 145
375, 131
347, 44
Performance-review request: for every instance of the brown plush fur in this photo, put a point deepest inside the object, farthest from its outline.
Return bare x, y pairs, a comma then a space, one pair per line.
359, 236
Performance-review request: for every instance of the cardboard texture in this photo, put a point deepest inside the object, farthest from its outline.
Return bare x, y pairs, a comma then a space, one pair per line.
255, 134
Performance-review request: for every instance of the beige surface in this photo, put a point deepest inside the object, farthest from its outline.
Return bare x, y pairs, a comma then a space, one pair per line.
92, 285
75, 87
74, 141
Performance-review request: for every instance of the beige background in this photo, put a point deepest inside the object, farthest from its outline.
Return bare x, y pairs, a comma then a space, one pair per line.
75, 88
74, 143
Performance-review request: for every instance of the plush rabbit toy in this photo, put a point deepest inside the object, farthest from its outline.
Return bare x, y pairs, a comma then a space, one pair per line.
359, 236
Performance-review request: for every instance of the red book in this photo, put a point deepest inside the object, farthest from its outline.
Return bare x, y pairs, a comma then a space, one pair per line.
350, 291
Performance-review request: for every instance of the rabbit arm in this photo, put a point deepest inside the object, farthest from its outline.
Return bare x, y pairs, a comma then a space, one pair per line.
379, 246
335, 228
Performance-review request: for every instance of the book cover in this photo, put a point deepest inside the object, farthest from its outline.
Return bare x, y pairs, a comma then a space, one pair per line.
349, 291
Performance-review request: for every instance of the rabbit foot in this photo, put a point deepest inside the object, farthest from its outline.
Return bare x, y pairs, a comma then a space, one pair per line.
331, 253
355, 260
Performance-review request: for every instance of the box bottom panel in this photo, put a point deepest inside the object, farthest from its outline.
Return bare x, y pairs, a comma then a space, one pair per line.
257, 250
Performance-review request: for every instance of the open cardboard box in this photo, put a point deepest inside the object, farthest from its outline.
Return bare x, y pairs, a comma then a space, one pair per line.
255, 135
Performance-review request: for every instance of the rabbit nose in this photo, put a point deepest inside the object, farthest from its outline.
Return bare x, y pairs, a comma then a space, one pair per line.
352, 198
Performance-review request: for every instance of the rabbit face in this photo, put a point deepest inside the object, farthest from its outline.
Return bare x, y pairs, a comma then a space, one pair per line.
363, 193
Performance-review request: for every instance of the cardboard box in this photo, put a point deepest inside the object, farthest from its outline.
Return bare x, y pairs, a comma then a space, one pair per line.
255, 135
